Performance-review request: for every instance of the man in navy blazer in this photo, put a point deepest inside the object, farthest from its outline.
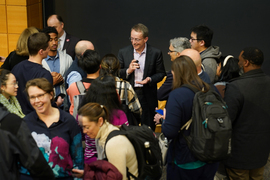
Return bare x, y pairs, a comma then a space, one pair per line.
142, 65
66, 41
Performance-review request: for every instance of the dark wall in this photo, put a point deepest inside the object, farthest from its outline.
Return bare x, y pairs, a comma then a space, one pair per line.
107, 23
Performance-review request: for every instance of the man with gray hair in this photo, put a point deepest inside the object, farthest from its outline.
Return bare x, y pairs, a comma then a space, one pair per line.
177, 45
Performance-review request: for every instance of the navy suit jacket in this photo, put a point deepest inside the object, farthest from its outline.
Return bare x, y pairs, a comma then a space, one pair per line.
154, 68
69, 45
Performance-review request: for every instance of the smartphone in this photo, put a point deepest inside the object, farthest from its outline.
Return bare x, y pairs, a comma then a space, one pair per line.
159, 111
137, 61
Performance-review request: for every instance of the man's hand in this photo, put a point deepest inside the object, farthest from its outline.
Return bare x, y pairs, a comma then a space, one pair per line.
145, 81
132, 66
57, 78
59, 101
157, 118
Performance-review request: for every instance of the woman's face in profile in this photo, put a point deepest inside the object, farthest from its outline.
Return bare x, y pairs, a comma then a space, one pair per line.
91, 128
11, 86
39, 99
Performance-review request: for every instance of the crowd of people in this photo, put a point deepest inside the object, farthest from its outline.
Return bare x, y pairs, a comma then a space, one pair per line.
59, 100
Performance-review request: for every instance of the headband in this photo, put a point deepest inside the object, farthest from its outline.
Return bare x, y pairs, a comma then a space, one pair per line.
226, 59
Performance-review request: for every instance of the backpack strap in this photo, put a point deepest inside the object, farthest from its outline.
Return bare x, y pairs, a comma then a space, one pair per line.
126, 94
111, 135
80, 87
120, 89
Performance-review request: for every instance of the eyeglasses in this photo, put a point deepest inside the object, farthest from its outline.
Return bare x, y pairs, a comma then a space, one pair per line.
14, 84
191, 39
134, 39
40, 97
171, 51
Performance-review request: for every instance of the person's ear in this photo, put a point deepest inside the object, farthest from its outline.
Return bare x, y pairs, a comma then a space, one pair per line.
178, 54
201, 42
246, 63
145, 39
100, 121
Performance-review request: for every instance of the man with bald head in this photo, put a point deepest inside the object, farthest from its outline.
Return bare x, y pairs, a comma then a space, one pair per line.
196, 57
66, 41
75, 73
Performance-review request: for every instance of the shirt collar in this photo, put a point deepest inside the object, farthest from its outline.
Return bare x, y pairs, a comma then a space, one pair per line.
63, 37
49, 58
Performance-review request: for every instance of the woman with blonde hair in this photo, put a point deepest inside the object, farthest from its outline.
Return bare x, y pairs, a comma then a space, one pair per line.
8, 92
21, 53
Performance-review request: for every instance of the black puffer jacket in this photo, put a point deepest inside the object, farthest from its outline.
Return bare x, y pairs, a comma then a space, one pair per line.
17, 145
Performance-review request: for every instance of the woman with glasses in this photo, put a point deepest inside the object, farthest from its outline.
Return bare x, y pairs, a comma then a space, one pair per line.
56, 132
8, 92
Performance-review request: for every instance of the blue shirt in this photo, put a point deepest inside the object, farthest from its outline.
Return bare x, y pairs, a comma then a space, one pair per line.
54, 64
61, 143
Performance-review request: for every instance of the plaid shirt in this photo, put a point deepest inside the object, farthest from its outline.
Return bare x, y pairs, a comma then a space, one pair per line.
133, 101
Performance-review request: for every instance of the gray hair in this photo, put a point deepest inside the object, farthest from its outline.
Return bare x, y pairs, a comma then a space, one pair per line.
180, 44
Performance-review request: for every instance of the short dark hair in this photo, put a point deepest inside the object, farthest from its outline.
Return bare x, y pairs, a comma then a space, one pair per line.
141, 28
90, 61
203, 33
253, 55
36, 42
49, 30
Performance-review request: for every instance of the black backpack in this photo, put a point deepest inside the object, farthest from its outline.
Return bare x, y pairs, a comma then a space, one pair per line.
211, 127
138, 135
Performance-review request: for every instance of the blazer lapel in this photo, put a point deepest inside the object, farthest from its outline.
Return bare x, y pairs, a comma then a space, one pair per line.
66, 43
148, 59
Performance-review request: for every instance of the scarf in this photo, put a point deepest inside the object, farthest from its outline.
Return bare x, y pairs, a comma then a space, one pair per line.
12, 105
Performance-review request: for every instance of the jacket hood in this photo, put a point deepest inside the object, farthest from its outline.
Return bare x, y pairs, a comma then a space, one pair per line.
211, 52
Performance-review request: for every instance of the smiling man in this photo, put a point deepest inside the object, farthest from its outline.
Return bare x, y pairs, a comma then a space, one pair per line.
142, 65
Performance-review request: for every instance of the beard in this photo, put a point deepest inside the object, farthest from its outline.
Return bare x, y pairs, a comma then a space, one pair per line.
241, 71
